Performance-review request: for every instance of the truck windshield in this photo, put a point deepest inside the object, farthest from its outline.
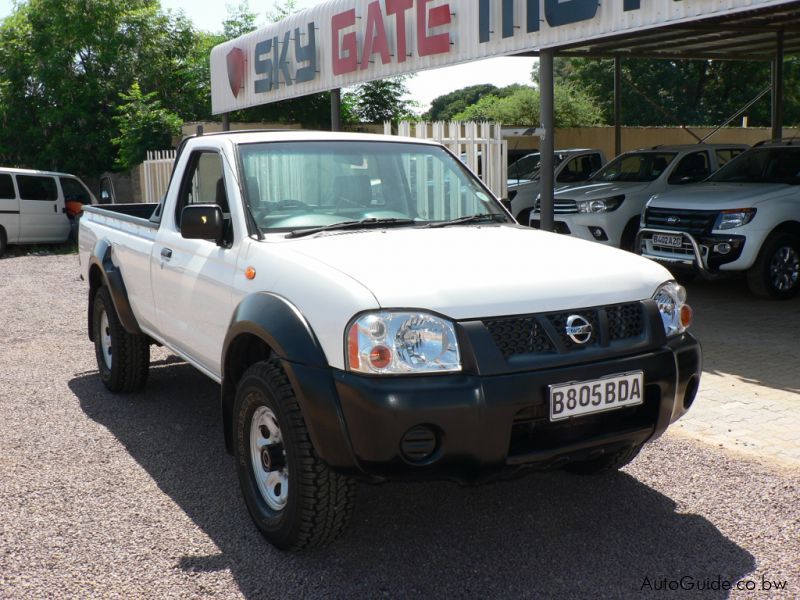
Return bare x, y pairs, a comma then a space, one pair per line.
635, 166
312, 184
762, 165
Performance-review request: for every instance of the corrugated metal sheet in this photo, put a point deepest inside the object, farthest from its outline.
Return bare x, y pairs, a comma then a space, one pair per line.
234, 64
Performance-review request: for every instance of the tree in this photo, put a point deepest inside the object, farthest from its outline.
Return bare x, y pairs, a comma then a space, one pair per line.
144, 125
519, 105
381, 100
670, 92
444, 108
64, 67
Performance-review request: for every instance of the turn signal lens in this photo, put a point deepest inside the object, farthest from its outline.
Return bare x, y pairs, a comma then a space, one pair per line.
250, 273
687, 316
380, 357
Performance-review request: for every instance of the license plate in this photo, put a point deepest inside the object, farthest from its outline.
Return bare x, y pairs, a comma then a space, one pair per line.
598, 395
673, 241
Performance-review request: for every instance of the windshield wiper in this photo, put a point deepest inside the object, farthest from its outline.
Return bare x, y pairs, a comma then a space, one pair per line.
362, 224
487, 218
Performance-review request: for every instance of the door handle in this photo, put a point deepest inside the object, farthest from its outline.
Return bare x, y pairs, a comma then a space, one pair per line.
55, 208
166, 254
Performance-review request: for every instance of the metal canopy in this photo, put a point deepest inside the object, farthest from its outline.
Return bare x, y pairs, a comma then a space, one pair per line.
749, 35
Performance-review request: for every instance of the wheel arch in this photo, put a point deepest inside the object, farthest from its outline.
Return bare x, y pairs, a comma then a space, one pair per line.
790, 227
103, 271
264, 326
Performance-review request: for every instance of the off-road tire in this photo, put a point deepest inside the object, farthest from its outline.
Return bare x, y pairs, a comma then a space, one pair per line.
606, 463
319, 502
129, 353
761, 278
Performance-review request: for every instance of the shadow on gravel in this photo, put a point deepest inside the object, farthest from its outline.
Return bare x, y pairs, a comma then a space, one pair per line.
546, 535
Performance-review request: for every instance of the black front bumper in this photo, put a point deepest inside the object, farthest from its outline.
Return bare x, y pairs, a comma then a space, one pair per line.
484, 424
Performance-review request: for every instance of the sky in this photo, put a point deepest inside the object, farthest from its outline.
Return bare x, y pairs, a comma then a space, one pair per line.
424, 86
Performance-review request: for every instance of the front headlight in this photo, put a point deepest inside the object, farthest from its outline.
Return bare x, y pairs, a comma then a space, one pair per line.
729, 219
675, 313
388, 343
600, 206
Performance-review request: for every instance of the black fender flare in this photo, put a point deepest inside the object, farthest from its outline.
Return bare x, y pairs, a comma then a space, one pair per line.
100, 260
266, 325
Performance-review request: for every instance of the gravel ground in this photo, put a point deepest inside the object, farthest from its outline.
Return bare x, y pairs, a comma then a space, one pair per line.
134, 496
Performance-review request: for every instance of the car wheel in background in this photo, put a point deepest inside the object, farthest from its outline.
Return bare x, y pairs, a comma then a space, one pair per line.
776, 272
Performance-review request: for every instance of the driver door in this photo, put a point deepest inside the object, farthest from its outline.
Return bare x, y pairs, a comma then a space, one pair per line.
192, 279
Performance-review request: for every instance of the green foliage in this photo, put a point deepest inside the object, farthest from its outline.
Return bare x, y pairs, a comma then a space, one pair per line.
144, 125
381, 100
699, 92
241, 20
519, 105
444, 108
64, 66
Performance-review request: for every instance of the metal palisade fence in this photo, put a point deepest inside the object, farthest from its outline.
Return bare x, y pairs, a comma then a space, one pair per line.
156, 172
479, 145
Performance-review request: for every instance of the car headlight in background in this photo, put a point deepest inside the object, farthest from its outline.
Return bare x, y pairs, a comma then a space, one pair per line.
675, 313
600, 206
729, 219
388, 342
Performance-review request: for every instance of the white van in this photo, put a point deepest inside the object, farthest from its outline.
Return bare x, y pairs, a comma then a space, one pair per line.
33, 206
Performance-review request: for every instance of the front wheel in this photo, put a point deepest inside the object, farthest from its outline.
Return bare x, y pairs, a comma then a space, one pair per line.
123, 358
776, 272
295, 500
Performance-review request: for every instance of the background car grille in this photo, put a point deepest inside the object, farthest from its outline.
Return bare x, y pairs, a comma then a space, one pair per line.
696, 222
561, 206
528, 334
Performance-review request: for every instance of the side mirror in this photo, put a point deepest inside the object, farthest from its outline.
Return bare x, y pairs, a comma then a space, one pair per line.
105, 197
507, 203
202, 222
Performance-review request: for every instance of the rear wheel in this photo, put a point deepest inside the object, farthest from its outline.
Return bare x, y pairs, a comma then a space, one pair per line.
605, 463
776, 272
123, 359
295, 500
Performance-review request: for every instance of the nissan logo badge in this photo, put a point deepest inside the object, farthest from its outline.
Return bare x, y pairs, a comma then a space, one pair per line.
579, 330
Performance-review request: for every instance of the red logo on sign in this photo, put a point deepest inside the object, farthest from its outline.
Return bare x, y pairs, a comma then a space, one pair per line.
236, 62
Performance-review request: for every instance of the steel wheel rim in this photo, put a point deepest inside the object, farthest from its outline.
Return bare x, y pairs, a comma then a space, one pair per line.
785, 268
268, 458
105, 339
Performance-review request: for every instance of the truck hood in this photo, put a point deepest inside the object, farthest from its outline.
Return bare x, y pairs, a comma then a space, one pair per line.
597, 191
712, 196
480, 271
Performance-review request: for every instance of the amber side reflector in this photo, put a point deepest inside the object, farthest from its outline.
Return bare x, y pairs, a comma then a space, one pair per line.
352, 348
687, 315
250, 273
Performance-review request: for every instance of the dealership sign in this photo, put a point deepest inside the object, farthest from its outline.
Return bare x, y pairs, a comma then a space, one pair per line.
345, 42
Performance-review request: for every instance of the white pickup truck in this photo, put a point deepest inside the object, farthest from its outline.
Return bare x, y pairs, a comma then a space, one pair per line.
744, 218
351, 294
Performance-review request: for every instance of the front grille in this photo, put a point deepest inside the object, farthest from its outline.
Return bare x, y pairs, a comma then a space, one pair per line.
519, 335
565, 207
561, 206
696, 222
546, 333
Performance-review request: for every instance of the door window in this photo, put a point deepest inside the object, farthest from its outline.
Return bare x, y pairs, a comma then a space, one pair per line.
74, 191
691, 169
577, 169
34, 187
725, 155
7, 188
204, 183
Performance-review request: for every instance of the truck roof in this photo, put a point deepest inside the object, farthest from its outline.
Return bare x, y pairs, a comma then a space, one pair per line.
292, 135
18, 171
682, 147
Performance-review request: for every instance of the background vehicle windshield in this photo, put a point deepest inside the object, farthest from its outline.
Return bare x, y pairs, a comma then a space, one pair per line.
636, 166
526, 167
293, 185
762, 165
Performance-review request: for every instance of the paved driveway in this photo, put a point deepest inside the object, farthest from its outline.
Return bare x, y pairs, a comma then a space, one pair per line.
749, 398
